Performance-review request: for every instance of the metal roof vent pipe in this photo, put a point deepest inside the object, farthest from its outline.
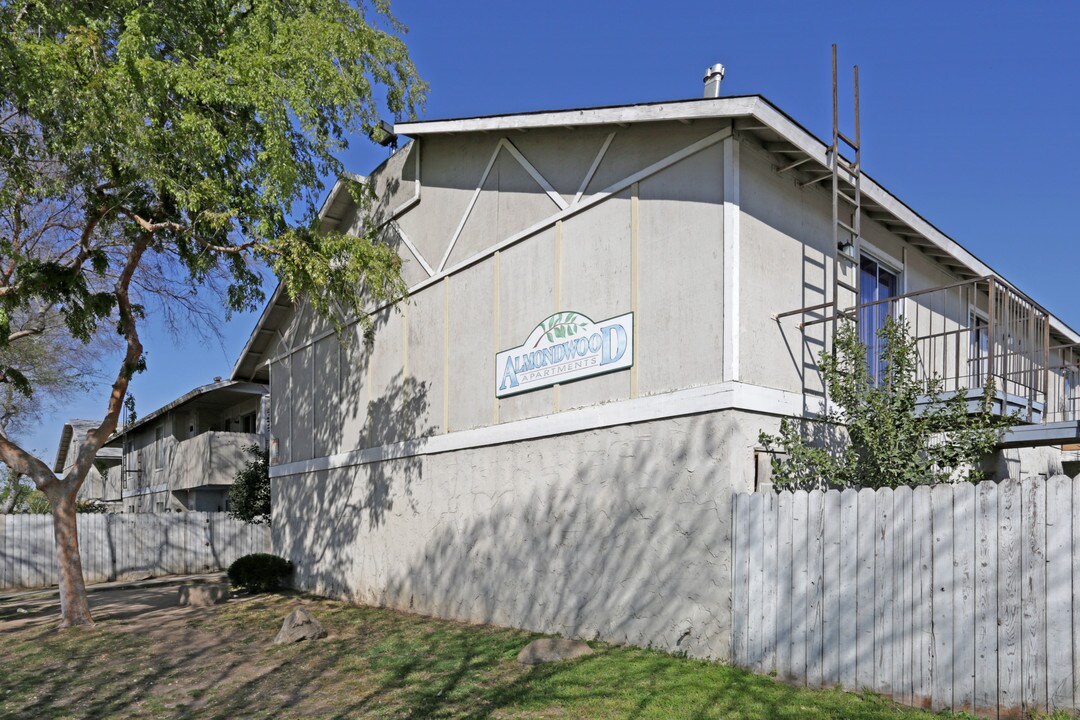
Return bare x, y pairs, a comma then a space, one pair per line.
713, 77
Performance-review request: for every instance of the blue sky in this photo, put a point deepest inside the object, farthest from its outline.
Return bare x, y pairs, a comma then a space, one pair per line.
970, 113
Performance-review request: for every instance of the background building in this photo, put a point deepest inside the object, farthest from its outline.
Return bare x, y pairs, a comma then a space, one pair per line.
184, 456
97, 485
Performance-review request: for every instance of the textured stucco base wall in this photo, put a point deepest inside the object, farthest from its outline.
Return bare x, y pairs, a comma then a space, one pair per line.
1024, 463
619, 534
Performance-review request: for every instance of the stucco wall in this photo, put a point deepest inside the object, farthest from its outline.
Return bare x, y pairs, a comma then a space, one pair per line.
787, 263
655, 248
620, 534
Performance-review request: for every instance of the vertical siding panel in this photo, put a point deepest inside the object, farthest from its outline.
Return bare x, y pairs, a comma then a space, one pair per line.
44, 554
941, 498
740, 524
1033, 593
110, 525
5, 553
784, 609
864, 603
884, 639
768, 605
1076, 590
986, 562
95, 537
902, 592
830, 603
22, 542
49, 548
922, 596
799, 566
26, 572
130, 562
1059, 533
755, 596
815, 536
172, 529
1010, 693
964, 598
849, 586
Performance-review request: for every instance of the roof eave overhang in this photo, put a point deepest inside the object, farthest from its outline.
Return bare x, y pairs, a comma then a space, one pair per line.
239, 385
329, 219
765, 116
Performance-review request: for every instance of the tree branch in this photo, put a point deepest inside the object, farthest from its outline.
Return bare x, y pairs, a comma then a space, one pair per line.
132, 357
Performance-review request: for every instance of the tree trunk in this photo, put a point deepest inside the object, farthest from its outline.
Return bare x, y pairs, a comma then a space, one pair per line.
74, 606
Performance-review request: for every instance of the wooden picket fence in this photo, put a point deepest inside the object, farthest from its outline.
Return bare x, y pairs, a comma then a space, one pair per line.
963, 596
127, 546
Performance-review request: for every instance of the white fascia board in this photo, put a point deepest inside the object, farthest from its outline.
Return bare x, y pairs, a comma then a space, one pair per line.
331, 198
658, 112
259, 327
692, 401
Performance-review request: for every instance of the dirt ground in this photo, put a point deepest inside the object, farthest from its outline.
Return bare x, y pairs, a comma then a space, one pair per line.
145, 605
148, 657
188, 653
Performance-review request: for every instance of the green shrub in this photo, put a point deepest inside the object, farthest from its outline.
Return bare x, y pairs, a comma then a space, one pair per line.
259, 572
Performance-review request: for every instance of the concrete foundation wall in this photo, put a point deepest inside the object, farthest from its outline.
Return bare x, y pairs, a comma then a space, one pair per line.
620, 534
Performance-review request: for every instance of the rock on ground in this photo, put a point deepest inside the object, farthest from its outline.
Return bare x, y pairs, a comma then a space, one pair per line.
202, 595
547, 650
299, 625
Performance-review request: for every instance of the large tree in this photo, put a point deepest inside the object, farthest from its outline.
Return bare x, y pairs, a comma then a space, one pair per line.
184, 143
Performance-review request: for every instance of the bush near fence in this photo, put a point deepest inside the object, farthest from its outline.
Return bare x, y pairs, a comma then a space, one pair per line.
127, 546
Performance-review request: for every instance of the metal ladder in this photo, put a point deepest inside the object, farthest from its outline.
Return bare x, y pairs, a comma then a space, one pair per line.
846, 210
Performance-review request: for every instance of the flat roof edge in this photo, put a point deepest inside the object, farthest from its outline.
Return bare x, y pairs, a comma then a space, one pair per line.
698, 108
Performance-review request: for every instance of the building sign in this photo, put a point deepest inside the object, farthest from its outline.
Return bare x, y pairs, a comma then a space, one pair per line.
566, 346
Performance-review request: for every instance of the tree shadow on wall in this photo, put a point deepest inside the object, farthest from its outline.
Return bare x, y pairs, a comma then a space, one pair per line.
620, 535
331, 509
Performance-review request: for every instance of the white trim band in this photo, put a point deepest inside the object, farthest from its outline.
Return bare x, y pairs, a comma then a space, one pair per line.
692, 401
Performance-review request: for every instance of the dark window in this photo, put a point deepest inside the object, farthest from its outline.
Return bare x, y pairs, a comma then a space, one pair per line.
876, 282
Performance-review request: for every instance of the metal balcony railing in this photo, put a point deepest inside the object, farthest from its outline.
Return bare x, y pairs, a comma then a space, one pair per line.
972, 333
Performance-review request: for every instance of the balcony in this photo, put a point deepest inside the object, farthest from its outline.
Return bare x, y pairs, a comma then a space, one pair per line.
976, 332
211, 458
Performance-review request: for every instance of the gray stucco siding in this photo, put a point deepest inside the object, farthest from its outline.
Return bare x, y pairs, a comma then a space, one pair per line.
679, 317
443, 340
599, 534
596, 281
526, 297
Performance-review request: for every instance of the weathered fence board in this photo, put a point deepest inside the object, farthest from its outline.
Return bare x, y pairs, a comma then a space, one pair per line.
956, 596
782, 624
126, 546
848, 588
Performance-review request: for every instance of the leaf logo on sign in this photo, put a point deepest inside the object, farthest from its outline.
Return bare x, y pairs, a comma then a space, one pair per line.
558, 326
563, 347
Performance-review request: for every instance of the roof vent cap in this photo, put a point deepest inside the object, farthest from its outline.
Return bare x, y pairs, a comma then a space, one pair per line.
713, 76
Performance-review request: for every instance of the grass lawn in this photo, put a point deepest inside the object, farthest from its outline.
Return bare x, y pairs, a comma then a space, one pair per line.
149, 659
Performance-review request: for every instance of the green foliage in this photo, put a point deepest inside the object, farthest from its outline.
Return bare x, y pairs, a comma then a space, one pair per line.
249, 495
189, 139
90, 506
18, 495
259, 572
902, 430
